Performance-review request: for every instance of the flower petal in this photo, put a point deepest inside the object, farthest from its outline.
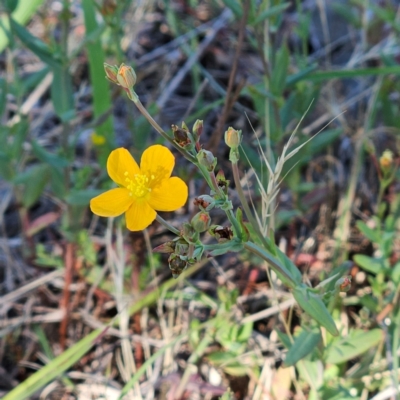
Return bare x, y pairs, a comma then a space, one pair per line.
170, 195
139, 216
157, 159
121, 161
112, 203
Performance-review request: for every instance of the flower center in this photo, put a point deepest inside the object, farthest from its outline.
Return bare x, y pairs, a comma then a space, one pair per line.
140, 185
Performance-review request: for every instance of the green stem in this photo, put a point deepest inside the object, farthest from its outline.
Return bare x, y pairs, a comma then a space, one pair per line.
154, 124
229, 213
273, 262
167, 225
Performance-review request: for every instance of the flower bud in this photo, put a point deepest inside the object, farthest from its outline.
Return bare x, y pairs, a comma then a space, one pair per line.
111, 72
222, 234
386, 160
233, 138
177, 264
188, 232
181, 135
204, 202
222, 182
97, 140
197, 130
167, 247
126, 76
201, 221
344, 284
207, 159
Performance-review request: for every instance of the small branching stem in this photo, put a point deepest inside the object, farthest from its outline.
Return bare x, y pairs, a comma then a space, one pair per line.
154, 124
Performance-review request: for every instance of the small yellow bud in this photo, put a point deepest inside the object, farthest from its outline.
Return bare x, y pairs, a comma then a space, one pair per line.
386, 160
233, 138
126, 76
97, 139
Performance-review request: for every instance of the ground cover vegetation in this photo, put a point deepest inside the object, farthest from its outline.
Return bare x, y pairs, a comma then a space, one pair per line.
199, 199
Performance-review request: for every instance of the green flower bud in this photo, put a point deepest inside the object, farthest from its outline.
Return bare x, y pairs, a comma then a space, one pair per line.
126, 76
207, 159
188, 232
111, 73
197, 130
201, 221
233, 138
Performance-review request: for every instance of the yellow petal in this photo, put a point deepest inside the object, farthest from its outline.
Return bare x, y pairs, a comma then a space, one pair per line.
170, 195
120, 161
158, 160
111, 203
139, 216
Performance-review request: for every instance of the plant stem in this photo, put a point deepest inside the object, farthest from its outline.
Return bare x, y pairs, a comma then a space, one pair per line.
154, 124
167, 225
229, 213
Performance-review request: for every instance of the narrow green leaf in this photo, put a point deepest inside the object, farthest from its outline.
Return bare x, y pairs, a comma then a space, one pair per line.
54, 160
53, 369
303, 345
23, 12
372, 234
279, 74
284, 338
3, 93
235, 7
357, 343
100, 86
62, 93
369, 264
81, 197
270, 12
299, 76
353, 73
34, 181
34, 44
312, 304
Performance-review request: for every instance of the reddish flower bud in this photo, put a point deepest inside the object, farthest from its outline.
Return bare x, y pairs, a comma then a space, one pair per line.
167, 247
201, 221
344, 284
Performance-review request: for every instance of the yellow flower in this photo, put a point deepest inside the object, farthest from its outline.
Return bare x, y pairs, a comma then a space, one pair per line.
142, 191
